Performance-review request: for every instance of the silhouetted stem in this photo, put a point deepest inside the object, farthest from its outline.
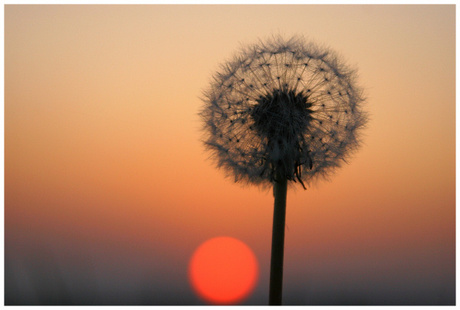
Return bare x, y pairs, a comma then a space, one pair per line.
276, 265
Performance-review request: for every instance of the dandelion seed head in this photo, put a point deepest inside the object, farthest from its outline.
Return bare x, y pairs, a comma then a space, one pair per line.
282, 108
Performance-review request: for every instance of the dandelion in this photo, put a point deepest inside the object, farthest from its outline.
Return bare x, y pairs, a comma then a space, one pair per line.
282, 111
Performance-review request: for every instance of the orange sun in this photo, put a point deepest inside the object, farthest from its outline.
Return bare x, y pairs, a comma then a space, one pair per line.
223, 270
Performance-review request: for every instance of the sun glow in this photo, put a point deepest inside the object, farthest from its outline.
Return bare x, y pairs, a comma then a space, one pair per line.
223, 270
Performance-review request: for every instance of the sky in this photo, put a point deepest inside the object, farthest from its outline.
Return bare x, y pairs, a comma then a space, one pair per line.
109, 189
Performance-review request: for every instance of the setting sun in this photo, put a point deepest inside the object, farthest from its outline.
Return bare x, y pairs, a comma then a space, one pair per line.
223, 270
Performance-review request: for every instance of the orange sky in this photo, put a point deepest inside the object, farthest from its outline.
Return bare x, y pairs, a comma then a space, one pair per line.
103, 154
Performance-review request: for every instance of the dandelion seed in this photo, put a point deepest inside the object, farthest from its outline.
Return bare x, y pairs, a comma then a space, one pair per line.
285, 107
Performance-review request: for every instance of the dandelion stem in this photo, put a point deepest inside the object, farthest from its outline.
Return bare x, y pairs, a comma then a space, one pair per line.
279, 219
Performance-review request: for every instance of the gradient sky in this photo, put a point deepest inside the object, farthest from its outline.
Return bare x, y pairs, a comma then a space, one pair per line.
108, 189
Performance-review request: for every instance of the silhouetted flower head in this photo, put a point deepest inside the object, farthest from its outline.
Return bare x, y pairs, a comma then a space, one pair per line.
282, 108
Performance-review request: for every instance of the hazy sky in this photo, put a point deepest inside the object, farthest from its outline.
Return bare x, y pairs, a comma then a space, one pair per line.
108, 189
